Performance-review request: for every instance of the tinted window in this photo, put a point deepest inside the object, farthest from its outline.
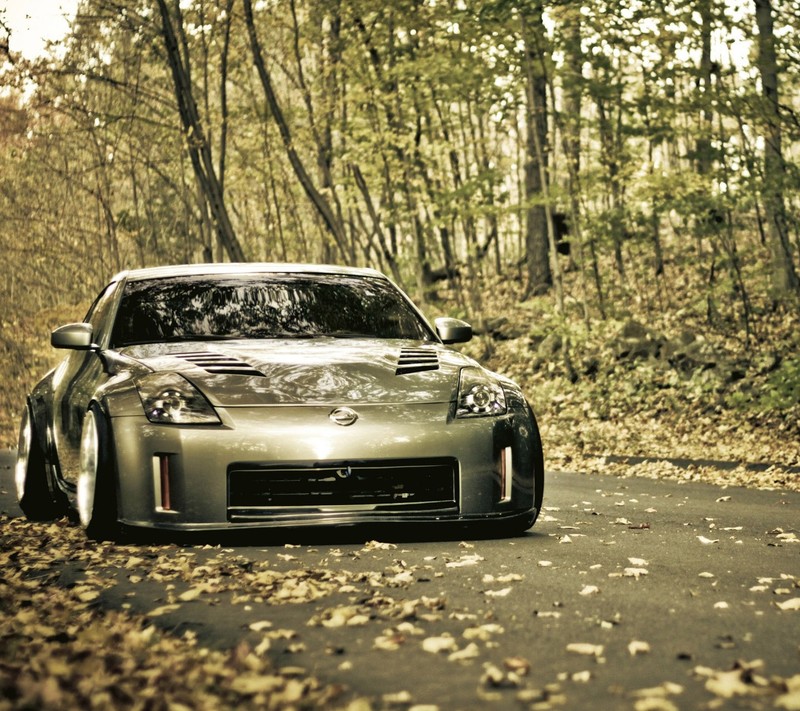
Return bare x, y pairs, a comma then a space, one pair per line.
263, 306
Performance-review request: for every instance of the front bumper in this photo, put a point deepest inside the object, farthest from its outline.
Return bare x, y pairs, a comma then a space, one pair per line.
196, 463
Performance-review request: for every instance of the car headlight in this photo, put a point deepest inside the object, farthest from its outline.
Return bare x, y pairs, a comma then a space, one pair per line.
479, 395
169, 398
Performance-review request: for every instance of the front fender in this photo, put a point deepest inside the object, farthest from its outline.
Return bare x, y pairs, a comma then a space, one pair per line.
40, 402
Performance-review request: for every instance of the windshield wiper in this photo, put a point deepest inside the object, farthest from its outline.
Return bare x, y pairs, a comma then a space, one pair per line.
180, 339
348, 334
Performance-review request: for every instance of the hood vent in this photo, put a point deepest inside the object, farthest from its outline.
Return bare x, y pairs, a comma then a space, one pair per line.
415, 360
218, 364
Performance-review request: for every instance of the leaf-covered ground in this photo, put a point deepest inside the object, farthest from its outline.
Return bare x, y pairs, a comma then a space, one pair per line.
65, 645
59, 650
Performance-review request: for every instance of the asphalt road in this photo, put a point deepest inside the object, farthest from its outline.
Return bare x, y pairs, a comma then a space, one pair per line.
626, 592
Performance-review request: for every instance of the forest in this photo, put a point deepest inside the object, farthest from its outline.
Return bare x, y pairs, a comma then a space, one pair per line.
608, 191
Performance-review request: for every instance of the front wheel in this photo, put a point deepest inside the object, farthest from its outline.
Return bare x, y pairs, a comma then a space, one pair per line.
37, 497
97, 479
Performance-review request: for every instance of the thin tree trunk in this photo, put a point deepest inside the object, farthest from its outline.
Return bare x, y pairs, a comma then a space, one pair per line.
703, 144
376, 223
199, 149
784, 276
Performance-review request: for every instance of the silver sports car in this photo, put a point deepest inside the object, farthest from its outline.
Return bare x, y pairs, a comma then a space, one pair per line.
234, 396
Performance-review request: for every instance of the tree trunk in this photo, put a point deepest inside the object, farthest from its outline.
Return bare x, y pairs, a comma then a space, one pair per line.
540, 277
703, 144
199, 149
784, 276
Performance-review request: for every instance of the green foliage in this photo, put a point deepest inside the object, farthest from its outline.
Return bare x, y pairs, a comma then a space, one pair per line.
779, 391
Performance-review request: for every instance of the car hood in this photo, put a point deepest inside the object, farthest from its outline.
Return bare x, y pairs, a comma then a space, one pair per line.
310, 371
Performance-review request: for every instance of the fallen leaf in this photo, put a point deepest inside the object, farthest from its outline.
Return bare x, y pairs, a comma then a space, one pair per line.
637, 647
668, 688
88, 595
400, 698
707, 541
389, 642
585, 648
252, 685
483, 632
465, 560
520, 665
163, 610
469, 652
793, 604
349, 615
742, 680
790, 701
263, 646
190, 594
508, 578
539, 613
260, 626
496, 678
435, 645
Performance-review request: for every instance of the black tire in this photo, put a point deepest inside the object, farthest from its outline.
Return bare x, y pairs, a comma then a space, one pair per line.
97, 481
36, 491
538, 467
517, 527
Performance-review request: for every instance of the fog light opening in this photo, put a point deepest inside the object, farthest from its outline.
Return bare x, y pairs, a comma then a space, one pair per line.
162, 484
506, 474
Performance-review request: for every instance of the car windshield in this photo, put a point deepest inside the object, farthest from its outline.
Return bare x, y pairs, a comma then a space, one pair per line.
263, 306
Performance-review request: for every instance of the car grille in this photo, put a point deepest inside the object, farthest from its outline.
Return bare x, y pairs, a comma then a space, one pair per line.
259, 491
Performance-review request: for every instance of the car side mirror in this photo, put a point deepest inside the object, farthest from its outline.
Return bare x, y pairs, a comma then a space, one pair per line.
453, 330
75, 336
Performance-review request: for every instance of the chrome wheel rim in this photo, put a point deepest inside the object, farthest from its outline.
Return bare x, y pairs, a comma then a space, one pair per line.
87, 476
23, 454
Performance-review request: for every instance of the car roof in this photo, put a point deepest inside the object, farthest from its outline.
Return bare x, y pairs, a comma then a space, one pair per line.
242, 268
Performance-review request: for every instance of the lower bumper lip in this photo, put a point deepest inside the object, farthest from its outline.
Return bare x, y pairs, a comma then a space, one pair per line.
326, 519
